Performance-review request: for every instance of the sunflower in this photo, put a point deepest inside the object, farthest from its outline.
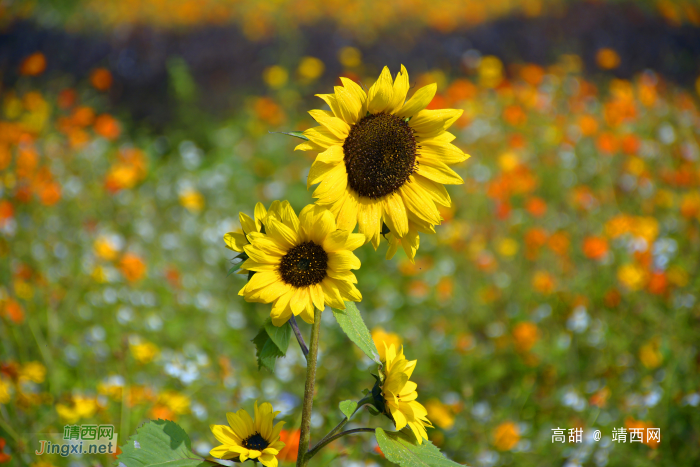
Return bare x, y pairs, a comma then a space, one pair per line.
301, 262
383, 161
400, 394
238, 239
246, 438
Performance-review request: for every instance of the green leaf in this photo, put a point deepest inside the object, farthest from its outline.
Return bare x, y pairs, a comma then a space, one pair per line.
348, 408
296, 134
402, 449
279, 335
351, 322
271, 343
159, 443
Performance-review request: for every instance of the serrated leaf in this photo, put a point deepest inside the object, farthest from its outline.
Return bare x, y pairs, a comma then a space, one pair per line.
402, 449
350, 320
266, 350
279, 335
348, 408
296, 134
159, 443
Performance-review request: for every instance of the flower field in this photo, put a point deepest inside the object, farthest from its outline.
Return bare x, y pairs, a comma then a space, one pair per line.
559, 292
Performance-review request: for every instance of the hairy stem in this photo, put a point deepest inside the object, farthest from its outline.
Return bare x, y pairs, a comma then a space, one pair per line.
325, 442
300, 339
305, 435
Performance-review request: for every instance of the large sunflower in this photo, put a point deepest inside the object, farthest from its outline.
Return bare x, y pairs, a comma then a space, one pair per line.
248, 438
400, 394
383, 161
301, 262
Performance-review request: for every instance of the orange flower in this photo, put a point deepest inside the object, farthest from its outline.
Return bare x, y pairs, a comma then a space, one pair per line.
631, 423
658, 283
535, 238
445, 287
33, 65
506, 436
4, 457
607, 59
461, 90
607, 143
13, 310
600, 398
612, 298
536, 206
132, 266
631, 144
101, 79
418, 289
267, 110
7, 211
595, 247
291, 440
514, 115
559, 243
543, 282
107, 127
588, 125
67, 98
525, 336
83, 116
532, 74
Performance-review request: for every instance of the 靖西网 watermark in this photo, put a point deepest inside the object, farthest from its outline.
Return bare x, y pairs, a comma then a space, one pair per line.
80, 440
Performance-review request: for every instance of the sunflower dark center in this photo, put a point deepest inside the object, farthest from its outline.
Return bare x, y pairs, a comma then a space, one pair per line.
304, 265
256, 442
380, 155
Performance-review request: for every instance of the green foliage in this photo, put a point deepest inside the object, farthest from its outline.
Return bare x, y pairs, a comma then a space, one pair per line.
402, 449
348, 408
159, 443
271, 343
237, 266
181, 80
350, 320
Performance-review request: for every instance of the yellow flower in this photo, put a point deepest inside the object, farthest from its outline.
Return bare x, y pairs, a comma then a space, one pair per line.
383, 161
82, 407
400, 394
177, 402
144, 352
249, 439
440, 413
237, 240
4, 391
381, 337
33, 371
633, 276
192, 200
506, 436
650, 355
301, 262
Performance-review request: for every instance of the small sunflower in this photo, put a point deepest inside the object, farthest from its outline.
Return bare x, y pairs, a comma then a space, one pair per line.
238, 239
246, 438
400, 394
301, 262
383, 161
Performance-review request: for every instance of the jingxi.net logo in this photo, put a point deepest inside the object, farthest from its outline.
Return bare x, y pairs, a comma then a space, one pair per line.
80, 440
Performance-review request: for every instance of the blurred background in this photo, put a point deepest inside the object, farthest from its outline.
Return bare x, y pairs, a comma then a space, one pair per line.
560, 291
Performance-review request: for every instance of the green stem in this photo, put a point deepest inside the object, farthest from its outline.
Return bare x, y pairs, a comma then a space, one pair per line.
305, 434
364, 401
325, 442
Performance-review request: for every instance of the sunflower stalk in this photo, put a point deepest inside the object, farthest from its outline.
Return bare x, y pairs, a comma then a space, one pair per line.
305, 434
326, 442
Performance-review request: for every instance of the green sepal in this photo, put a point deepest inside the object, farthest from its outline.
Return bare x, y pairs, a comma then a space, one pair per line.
237, 266
296, 134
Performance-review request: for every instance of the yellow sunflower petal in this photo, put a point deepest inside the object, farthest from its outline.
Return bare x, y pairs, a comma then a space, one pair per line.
346, 216
350, 106
332, 155
355, 241
335, 241
316, 293
332, 102
430, 123
342, 275
322, 136
419, 101
260, 214
334, 124
247, 223
381, 92
235, 241
395, 214
268, 460
419, 203
332, 294
333, 185
343, 260
222, 452
348, 291
288, 216
400, 89
370, 219
299, 300
399, 418
439, 172
282, 234
435, 190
